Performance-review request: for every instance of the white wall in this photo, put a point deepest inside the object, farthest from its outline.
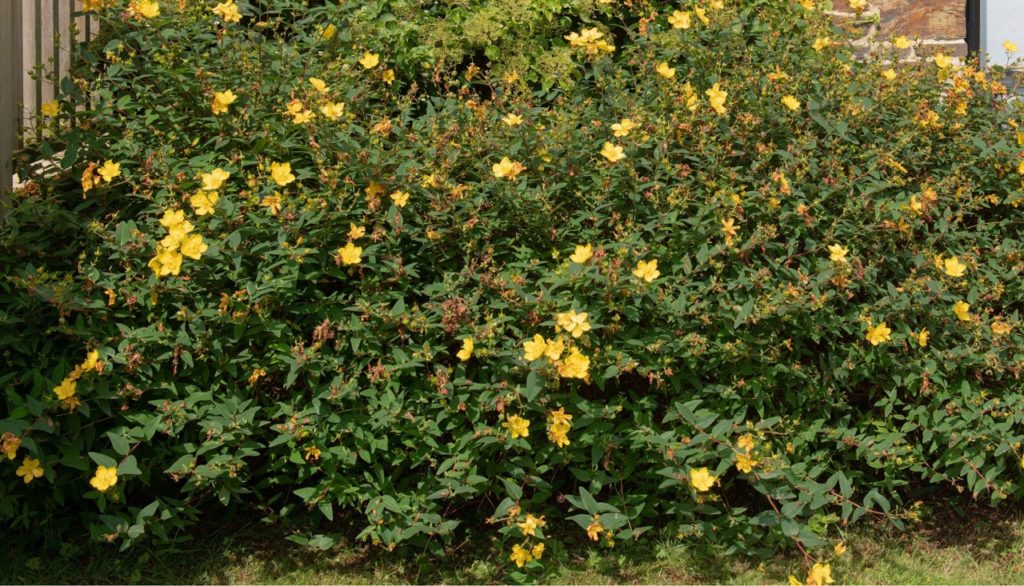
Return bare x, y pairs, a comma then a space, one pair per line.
1001, 20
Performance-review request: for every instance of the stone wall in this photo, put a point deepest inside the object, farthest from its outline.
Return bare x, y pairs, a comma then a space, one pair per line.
938, 25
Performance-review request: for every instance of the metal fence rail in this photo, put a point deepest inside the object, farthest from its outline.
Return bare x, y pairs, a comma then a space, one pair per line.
37, 45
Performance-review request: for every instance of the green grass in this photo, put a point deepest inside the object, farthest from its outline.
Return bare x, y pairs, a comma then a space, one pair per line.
976, 547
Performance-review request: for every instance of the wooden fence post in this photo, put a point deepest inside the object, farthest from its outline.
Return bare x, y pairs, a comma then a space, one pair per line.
11, 63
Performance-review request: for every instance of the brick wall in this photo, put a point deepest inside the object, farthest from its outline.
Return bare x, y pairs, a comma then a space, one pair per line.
940, 25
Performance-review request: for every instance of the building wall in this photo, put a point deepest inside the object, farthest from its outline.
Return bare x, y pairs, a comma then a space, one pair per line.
940, 25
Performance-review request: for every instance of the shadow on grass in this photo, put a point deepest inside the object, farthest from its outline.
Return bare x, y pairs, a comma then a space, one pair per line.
254, 552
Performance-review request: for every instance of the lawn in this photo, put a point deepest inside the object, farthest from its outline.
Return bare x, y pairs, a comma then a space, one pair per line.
974, 546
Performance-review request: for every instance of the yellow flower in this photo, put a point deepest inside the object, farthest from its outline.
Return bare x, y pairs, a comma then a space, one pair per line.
204, 202
889, 74
312, 453
1001, 328
537, 551
792, 579
745, 463
922, 338
507, 169
878, 334
221, 101
66, 388
329, 32
665, 71
520, 555
534, 349
554, 349
272, 203
50, 109
166, 262
729, 230
105, 478
400, 198
303, 117
388, 76
791, 102
647, 271
176, 233
172, 218
679, 19
144, 8
901, 42
467, 349
529, 525
109, 171
953, 267
702, 14
839, 549
858, 5
1009, 46
821, 574
29, 470
282, 173
333, 110
193, 246
595, 528
961, 310
560, 417
228, 11
369, 60
837, 253
517, 426
356, 232
576, 365
213, 180
559, 424
318, 84
943, 61
821, 43
701, 479
350, 254
612, 152
716, 98
746, 442
582, 254
623, 127
512, 119
574, 323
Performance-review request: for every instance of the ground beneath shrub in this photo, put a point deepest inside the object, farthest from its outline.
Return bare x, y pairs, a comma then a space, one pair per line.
972, 546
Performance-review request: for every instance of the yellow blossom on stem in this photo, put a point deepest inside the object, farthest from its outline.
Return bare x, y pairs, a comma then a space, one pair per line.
517, 426
530, 525
221, 101
680, 19
520, 555
575, 324
369, 60
215, 179
109, 171
595, 528
576, 365
665, 71
204, 202
821, 574
701, 479
837, 253
507, 169
623, 127
791, 102
878, 334
467, 349
282, 173
228, 11
512, 119
962, 309
953, 267
534, 349
105, 478
29, 470
333, 110
612, 152
582, 254
350, 254
400, 198
647, 271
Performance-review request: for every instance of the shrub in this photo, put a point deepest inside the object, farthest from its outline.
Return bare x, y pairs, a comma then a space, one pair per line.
721, 279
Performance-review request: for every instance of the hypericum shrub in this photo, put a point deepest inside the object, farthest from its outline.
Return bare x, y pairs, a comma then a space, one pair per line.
729, 281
